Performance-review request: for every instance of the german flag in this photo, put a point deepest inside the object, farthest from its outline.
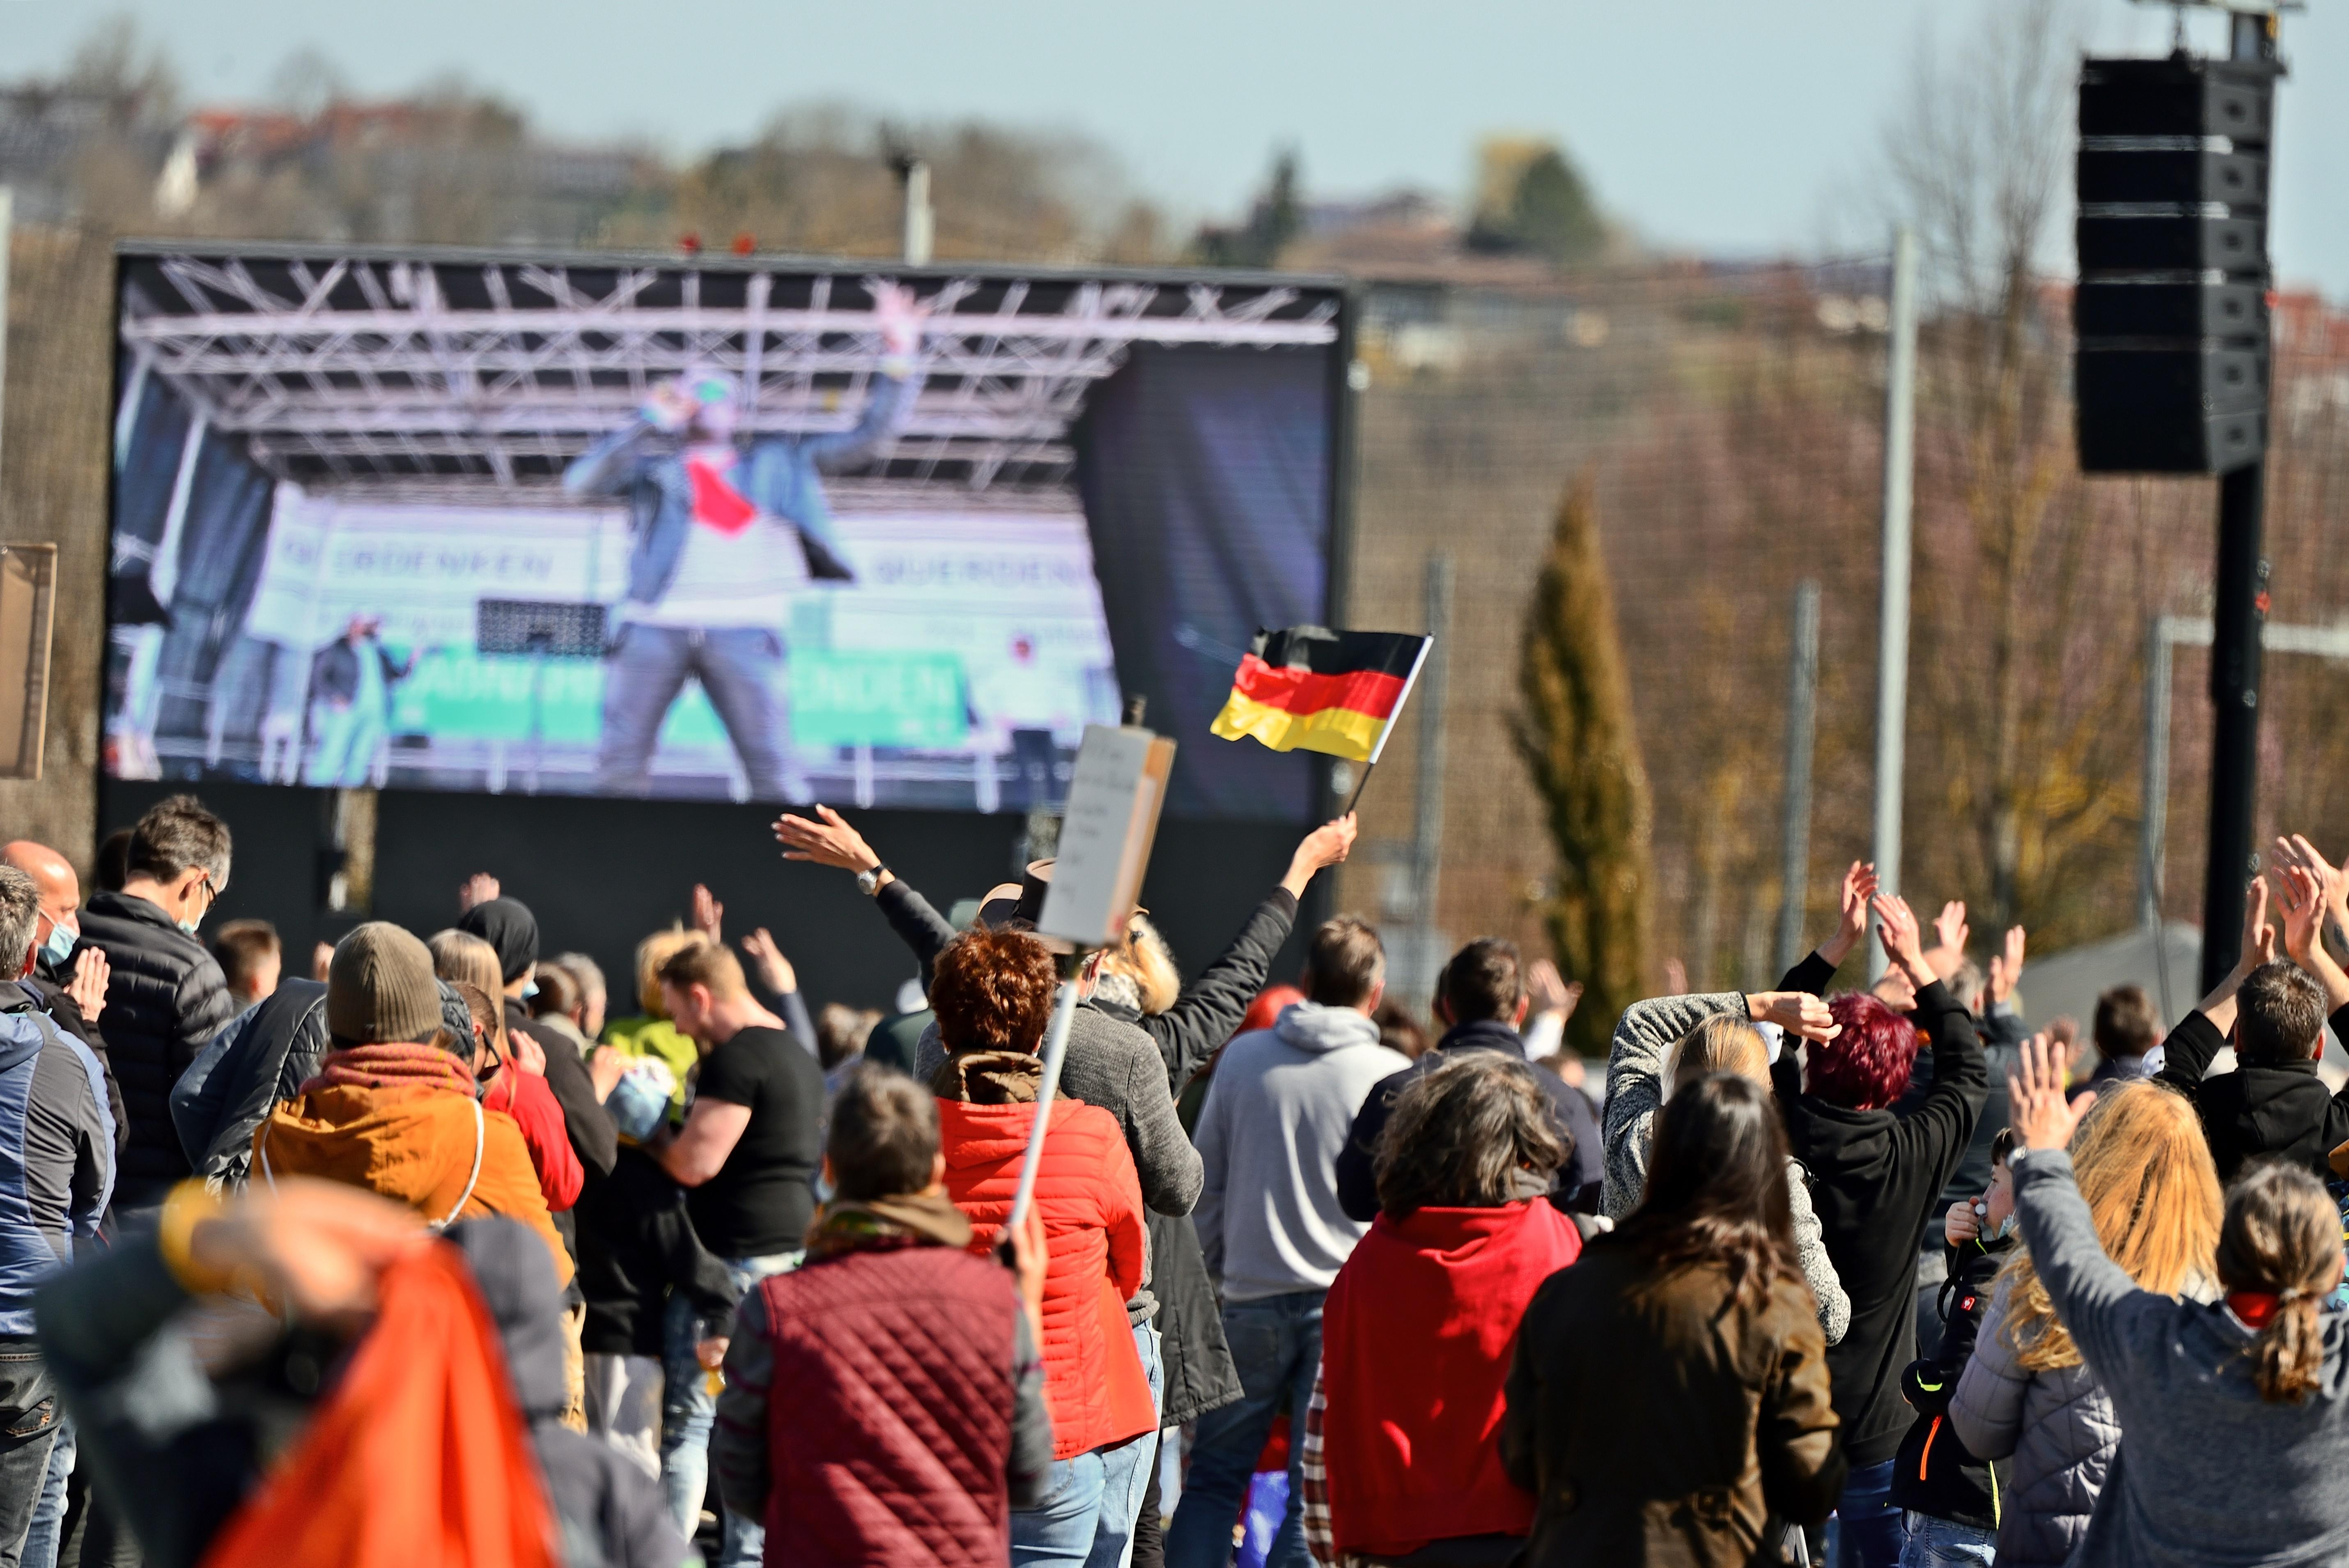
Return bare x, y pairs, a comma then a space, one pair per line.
1310, 688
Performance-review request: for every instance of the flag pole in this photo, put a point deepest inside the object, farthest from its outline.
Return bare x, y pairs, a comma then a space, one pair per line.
1388, 729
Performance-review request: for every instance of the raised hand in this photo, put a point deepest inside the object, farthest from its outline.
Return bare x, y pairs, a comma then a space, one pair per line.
475, 890
1858, 890
2035, 1106
88, 987
2006, 968
1950, 928
2259, 937
1895, 927
2333, 882
708, 914
898, 315
1325, 846
828, 840
775, 971
317, 1246
1546, 987
1797, 1012
2300, 894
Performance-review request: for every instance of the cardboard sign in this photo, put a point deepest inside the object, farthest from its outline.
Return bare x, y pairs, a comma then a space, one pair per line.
1106, 831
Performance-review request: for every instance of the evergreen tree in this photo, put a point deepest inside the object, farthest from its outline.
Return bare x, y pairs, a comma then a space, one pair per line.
1273, 220
1549, 212
1576, 735
1553, 215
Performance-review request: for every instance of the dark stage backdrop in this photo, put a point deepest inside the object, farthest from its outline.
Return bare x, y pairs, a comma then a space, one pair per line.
600, 874
1206, 479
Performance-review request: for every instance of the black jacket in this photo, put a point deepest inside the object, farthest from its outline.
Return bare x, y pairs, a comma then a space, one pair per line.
1199, 1373
1576, 1185
264, 1057
1934, 1474
167, 997
2281, 1109
637, 1245
48, 984
1873, 1173
2001, 1031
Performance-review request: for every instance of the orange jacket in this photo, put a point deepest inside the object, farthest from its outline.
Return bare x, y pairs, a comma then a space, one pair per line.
411, 1144
1090, 1198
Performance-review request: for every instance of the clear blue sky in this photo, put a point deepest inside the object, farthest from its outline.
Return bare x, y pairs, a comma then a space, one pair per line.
1725, 128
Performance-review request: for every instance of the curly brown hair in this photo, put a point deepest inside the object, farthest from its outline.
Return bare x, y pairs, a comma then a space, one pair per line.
993, 991
1459, 1137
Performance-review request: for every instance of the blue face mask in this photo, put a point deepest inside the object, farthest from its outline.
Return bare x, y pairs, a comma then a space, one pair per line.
60, 945
529, 989
188, 925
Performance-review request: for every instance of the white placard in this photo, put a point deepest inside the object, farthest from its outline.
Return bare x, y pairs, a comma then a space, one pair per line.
1092, 876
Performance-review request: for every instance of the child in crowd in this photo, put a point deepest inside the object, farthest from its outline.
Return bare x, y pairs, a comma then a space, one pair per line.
1949, 1498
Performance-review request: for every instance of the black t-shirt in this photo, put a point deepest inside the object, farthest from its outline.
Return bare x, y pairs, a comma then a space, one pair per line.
761, 1199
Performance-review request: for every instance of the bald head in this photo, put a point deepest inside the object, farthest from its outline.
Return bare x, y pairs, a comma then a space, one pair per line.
53, 877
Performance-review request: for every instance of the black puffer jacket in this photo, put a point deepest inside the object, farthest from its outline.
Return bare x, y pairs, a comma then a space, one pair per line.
167, 997
264, 1057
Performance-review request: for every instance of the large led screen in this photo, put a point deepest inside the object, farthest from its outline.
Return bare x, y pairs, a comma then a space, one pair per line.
704, 531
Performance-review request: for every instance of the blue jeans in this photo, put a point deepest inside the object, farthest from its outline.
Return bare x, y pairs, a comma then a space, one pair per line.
1125, 1469
1277, 1346
1058, 1532
48, 1528
742, 668
688, 1409
1943, 1544
1867, 1528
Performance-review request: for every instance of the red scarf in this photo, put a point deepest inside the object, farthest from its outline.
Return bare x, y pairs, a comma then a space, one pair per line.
716, 502
1413, 1441
391, 1066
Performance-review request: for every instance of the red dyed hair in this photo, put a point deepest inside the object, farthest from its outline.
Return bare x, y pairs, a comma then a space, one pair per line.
1865, 1067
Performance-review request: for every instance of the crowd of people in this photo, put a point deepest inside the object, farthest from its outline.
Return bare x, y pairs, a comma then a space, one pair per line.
421, 1254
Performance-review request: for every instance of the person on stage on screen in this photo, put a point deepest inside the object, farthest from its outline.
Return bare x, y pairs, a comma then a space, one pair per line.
350, 704
724, 531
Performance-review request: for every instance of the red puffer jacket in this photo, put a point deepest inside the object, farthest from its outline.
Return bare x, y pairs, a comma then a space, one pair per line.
1091, 1202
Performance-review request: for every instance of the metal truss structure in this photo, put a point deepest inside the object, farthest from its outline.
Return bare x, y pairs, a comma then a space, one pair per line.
410, 376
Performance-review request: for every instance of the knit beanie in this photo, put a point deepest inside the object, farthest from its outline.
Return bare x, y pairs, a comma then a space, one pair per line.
507, 926
380, 988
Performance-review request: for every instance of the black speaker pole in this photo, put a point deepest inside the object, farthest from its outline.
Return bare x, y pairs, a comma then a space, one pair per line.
2241, 611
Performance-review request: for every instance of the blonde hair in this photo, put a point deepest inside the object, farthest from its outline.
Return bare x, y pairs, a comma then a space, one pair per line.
462, 958
1724, 1043
488, 1016
2145, 1175
652, 955
705, 963
1143, 958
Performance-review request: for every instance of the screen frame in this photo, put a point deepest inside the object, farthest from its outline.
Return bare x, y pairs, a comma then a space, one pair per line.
1343, 392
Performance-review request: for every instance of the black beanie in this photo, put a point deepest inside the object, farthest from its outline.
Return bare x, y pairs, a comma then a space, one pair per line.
507, 925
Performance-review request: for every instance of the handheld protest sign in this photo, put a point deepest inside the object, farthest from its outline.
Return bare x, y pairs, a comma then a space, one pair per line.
1106, 831
1115, 793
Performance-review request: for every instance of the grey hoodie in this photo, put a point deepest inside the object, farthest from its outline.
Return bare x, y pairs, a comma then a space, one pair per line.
1279, 1110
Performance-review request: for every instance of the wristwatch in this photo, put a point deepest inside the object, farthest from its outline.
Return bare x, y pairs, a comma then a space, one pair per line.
869, 883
